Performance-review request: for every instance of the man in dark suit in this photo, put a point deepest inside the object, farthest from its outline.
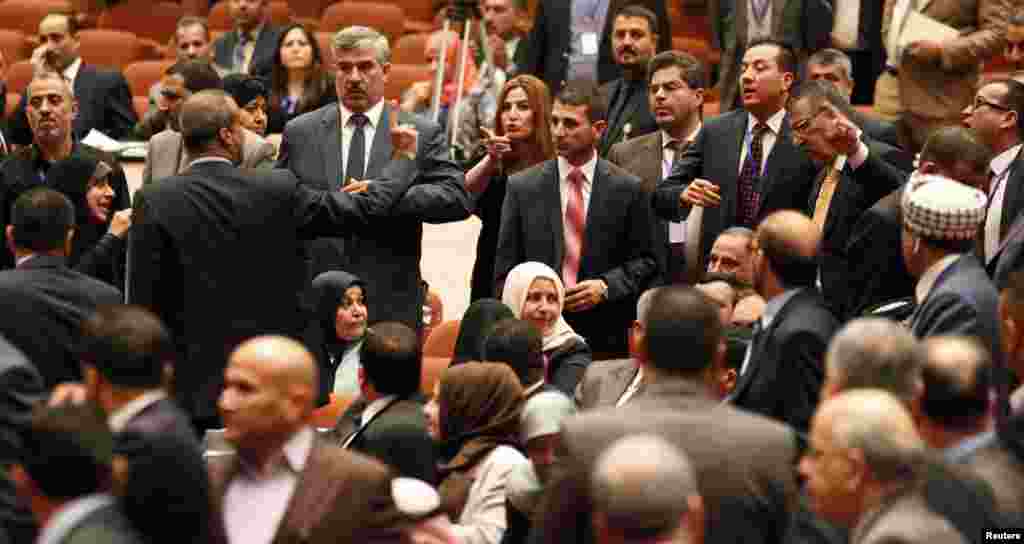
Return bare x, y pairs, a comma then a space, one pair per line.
955, 404
43, 301
74, 505
877, 273
997, 118
744, 462
675, 83
21, 388
634, 42
320, 149
782, 373
573, 40
326, 494
953, 293
387, 422
51, 111
743, 164
235, 222
586, 218
251, 47
103, 99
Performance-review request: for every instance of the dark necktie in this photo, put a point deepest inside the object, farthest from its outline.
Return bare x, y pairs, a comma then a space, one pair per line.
356, 168
243, 39
749, 192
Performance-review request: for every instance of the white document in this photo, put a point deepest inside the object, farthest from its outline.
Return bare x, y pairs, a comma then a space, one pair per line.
919, 27
588, 43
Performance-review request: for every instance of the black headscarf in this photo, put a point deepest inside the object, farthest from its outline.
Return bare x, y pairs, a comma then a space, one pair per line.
330, 290
71, 177
477, 323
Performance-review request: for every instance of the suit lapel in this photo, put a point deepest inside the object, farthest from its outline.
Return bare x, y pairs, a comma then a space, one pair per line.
758, 344
611, 136
550, 187
330, 147
595, 210
307, 501
654, 152
380, 153
778, 15
619, 382
1012, 198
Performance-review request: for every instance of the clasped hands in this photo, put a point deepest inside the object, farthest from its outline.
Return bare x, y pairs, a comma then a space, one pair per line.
585, 295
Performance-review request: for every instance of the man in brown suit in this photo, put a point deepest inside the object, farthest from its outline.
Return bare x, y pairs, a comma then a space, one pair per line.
928, 82
743, 462
864, 460
284, 484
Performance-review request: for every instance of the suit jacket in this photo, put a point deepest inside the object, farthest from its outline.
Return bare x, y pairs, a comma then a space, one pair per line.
905, 518
604, 382
21, 388
786, 367
107, 524
545, 51
1013, 204
396, 436
804, 24
962, 301
1009, 255
340, 497
1004, 472
635, 112
386, 254
43, 306
743, 462
715, 156
20, 172
104, 104
166, 155
262, 55
617, 243
938, 91
245, 227
164, 417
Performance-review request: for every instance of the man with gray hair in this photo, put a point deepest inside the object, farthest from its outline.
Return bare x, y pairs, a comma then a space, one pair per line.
873, 353
864, 461
339, 146
644, 490
615, 381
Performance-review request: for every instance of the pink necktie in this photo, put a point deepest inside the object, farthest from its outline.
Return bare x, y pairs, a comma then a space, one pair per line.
573, 223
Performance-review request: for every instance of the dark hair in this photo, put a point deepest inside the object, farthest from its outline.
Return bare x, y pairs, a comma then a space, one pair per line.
245, 88
948, 146
690, 68
317, 82
67, 450
832, 57
635, 10
580, 92
391, 359
1014, 100
128, 345
198, 75
41, 218
201, 118
791, 268
682, 316
950, 400
70, 18
518, 344
786, 59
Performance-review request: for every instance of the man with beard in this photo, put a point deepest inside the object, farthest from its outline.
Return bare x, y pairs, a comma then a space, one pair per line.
634, 41
51, 111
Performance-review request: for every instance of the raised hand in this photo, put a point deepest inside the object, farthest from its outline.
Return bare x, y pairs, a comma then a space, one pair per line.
404, 137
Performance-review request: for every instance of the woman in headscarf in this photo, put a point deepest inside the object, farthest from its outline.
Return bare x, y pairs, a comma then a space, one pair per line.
540, 424
521, 139
342, 317
535, 293
98, 246
476, 325
477, 413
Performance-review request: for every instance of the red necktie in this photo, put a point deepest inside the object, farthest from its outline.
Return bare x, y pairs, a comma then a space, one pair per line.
574, 222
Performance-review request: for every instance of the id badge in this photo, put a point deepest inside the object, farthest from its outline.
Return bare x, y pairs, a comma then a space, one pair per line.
588, 43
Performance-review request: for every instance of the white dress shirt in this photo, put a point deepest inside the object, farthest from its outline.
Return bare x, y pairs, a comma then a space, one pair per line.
369, 130
71, 73
767, 139
1000, 167
676, 229
927, 281
762, 29
255, 502
120, 418
846, 23
588, 169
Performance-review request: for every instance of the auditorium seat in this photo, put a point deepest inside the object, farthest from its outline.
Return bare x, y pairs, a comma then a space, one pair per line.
14, 45
18, 75
431, 372
323, 39
441, 342
387, 18
326, 416
220, 19
141, 105
309, 9
419, 16
403, 75
24, 15
110, 48
712, 109
143, 74
147, 19
409, 49
11, 105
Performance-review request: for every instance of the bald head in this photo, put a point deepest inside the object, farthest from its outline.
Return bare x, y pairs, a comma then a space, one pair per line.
642, 487
202, 117
955, 373
789, 241
873, 353
284, 360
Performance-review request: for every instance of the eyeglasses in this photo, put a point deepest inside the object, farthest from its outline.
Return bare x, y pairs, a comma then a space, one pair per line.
803, 125
980, 101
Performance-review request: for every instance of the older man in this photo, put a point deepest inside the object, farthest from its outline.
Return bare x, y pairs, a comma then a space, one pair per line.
873, 353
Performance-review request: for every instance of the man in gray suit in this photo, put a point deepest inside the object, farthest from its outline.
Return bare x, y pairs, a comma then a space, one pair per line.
864, 458
165, 155
340, 145
744, 462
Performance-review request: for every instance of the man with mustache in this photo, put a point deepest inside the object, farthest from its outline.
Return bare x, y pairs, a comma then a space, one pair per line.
634, 42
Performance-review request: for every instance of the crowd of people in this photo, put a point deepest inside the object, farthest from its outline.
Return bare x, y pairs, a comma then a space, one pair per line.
800, 320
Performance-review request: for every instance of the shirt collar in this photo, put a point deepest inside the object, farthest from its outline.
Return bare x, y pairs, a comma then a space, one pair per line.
376, 407
588, 168
65, 519
927, 281
1003, 160
297, 448
774, 122
772, 308
373, 114
120, 418
201, 160
71, 72
666, 137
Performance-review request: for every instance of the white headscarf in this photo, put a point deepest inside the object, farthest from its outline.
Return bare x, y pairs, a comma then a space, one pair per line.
517, 285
